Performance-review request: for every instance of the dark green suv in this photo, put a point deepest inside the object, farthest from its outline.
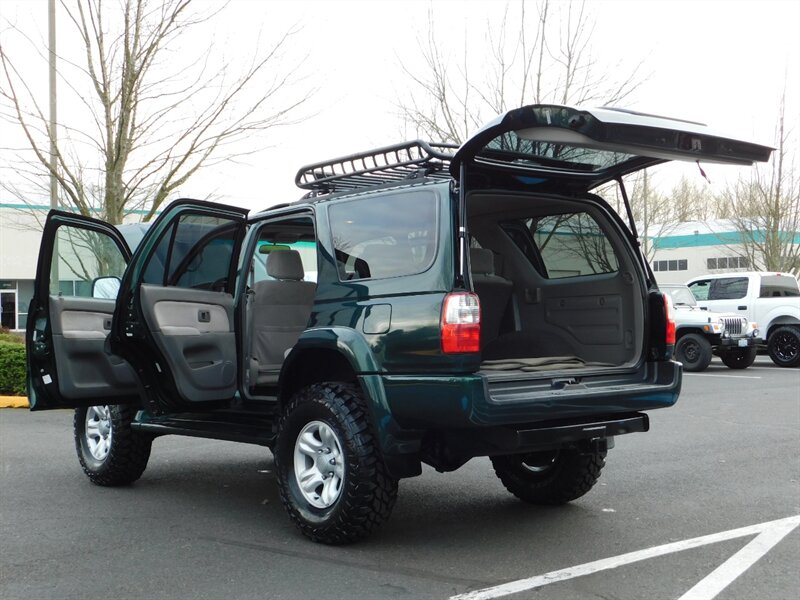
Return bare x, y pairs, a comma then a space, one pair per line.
421, 304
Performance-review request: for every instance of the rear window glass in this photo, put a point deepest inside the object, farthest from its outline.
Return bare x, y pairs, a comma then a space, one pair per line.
778, 286
546, 146
382, 237
728, 288
568, 245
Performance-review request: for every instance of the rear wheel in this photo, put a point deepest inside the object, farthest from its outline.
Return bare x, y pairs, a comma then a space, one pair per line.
739, 358
694, 351
109, 451
331, 475
553, 477
784, 346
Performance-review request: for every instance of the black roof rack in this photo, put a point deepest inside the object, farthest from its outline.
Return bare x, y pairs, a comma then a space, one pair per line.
391, 164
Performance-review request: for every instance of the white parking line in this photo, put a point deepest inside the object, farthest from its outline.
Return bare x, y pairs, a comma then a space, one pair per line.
723, 575
770, 532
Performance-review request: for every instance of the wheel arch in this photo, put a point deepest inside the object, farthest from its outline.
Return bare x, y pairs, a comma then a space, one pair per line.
325, 354
780, 321
682, 331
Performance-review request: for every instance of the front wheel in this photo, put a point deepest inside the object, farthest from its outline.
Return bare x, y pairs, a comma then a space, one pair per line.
784, 346
110, 452
552, 477
739, 359
330, 472
694, 351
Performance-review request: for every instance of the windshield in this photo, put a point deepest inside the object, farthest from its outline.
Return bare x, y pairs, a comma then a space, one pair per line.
681, 296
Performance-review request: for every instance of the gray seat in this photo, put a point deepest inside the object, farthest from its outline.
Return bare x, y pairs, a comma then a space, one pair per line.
494, 293
385, 260
280, 311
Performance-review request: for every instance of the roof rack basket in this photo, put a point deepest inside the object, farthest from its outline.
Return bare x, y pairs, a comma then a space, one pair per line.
391, 164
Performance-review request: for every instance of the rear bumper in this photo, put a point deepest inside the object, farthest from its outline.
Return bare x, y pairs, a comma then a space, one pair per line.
469, 401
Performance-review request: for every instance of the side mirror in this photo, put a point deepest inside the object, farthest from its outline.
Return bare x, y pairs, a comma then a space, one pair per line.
106, 287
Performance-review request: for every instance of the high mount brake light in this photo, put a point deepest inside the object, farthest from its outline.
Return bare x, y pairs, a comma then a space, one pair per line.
461, 323
670, 329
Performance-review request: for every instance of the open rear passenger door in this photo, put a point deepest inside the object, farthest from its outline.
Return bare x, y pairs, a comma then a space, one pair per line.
174, 318
81, 261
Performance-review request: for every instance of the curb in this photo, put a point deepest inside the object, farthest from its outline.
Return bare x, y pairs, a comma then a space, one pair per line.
13, 402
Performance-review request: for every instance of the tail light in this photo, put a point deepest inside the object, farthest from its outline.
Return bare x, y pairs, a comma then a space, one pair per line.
461, 323
670, 328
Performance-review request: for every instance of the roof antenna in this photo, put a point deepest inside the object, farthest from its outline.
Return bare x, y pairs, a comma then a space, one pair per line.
703, 173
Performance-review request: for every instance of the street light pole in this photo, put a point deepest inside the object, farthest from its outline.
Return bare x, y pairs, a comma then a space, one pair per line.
51, 30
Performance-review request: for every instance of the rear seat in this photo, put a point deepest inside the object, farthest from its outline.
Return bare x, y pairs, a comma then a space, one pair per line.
494, 293
280, 312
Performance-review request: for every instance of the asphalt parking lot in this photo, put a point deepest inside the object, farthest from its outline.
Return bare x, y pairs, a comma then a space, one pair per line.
673, 511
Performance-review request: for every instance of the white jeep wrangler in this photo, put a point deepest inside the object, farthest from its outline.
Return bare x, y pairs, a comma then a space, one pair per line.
700, 333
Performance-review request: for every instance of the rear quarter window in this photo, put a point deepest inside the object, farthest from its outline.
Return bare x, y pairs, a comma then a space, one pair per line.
385, 236
568, 245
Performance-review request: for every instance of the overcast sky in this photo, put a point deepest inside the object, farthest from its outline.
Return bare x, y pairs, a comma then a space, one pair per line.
725, 63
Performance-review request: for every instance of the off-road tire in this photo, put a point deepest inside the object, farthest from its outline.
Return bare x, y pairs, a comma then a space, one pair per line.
128, 455
784, 346
367, 493
564, 475
694, 351
739, 358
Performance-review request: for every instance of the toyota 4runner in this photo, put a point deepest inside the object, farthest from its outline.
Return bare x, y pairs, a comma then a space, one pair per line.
421, 304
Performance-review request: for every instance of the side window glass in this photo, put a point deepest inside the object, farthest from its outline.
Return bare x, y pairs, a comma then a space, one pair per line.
85, 263
196, 252
156, 264
728, 288
385, 237
700, 289
572, 245
289, 234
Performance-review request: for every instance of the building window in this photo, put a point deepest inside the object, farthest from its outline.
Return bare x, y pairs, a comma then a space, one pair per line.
728, 262
671, 265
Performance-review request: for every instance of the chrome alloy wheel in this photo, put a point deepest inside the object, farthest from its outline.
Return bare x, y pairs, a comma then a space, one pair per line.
319, 464
98, 431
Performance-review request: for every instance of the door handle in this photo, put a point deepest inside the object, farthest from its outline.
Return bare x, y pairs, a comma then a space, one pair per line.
204, 316
741, 308
107, 324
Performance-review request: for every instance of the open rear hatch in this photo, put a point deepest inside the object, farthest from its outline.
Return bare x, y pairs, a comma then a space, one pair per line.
562, 284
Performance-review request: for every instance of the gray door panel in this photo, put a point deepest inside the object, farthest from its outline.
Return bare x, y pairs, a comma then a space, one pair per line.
86, 369
194, 331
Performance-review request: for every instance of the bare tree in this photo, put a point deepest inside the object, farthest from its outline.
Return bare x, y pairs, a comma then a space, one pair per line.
765, 209
543, 55
148, 122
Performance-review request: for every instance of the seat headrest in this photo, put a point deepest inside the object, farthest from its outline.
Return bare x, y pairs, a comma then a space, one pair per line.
285, 264
385, 260
481, 261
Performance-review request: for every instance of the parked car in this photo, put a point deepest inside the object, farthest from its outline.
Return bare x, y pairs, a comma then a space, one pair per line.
700, 334
478, 301
770, 299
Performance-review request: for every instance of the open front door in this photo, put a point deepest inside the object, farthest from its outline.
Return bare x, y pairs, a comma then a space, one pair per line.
81, 262
174, 315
